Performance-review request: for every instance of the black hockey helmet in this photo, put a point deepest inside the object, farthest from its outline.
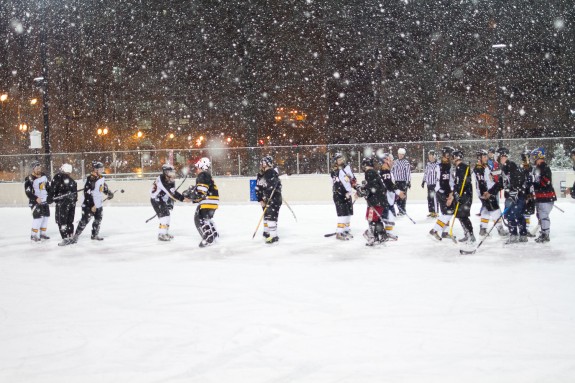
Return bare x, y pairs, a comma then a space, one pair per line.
503, 152
367, 161
457, 154
267, 161
97, 165
447, 150
492, 150
525, 154
573, 152
481, 152
168, 170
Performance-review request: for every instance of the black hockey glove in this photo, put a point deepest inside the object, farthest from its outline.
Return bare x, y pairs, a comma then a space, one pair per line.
422, 184
408, 184
110, 195
512, 195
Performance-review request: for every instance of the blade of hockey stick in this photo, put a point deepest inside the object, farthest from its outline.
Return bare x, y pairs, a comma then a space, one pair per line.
329, 235
467, 252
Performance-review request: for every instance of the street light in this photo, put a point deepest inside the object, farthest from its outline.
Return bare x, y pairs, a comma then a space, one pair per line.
499, 95
4, 97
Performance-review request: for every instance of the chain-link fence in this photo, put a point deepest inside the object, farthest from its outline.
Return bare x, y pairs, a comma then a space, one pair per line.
304, 159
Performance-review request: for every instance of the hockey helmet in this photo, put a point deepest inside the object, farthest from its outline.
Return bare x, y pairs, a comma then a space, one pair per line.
385, 156
401, 151
97, 165
447, 150
573, 152
66, 168
267, 161
337, 156
481, 152
525, 155
538, 153
168, 170
503, 152
204, 164
367, 161
492, 150
431, 153
34, 164
457, 154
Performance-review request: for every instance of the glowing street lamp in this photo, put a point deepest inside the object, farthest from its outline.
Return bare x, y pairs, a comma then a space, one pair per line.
140, 134
4, 97
23, 128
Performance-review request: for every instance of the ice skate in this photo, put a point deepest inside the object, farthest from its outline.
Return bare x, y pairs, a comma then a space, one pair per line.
435, 235
270, 240
96, 238
543, 237
164, 237
482, 232
342, 237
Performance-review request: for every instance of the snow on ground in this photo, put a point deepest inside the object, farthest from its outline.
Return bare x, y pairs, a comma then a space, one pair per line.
308, 309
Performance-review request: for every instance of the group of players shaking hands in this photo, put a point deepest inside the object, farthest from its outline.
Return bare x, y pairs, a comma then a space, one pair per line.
527, 188
63, 191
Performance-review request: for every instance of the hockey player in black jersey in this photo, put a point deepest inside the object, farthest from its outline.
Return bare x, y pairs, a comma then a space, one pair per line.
529, 209
444, 195
207, 196
162, 196
343, 183
573, 160
269, 195
374, 192
463, 195
512, 181
64, 191
393, 193
37, 188
545, 196
95, 188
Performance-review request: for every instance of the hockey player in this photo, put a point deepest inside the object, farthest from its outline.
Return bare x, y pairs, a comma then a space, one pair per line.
343, 182
490, 210
378, 208
544, 193
162, 196
393, 193
429, 178
65, 194
512, 181
95, 188
463, 195
444, 195
269, 195
401, 171
529, 209
207, 196
37, 188
573, 160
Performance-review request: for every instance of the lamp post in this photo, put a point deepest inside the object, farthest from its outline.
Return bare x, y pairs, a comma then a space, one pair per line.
499, 94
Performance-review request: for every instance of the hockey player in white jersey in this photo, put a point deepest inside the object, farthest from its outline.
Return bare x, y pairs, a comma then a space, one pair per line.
162, 196
37, 188
343, 183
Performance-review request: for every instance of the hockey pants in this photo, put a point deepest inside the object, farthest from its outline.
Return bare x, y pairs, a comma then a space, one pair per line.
86, 217
65, 212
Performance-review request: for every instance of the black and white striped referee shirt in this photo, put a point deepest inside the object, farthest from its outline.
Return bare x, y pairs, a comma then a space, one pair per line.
401, 170
430, 176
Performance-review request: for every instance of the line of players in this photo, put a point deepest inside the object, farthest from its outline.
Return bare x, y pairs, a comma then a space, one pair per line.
527, 188
62, 191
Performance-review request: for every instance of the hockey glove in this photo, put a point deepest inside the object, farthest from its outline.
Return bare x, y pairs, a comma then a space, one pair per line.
408, 184
423, 184
110, 195
512, 196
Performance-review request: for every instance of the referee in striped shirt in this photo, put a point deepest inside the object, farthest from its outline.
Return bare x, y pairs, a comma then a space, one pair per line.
430, 178
401, 172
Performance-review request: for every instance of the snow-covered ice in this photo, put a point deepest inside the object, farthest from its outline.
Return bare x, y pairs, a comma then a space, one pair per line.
308, 309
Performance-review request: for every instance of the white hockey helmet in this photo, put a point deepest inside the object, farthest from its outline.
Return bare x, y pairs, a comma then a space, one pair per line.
66, 168
203, 163
401, 151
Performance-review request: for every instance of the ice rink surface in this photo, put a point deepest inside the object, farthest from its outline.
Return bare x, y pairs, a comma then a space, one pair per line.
308, 309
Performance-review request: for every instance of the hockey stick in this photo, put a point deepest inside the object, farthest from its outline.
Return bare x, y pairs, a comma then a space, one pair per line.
466, 252
332, 234
290, 209
264, 212
66, 195
457, 206
558, 208
402, 211
184, 180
